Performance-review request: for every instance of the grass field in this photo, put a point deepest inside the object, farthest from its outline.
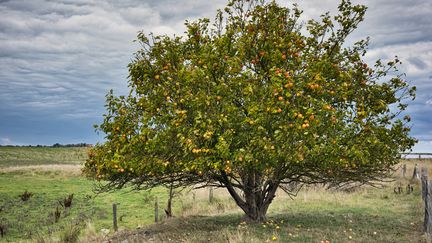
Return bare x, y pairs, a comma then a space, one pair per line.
366, 215
21, 156
34, 218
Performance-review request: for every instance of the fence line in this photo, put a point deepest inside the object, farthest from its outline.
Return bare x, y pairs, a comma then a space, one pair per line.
418, 155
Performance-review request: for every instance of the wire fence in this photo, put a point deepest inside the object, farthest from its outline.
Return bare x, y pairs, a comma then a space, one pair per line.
416, 155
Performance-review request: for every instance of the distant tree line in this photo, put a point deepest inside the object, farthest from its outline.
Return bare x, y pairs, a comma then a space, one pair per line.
56, 145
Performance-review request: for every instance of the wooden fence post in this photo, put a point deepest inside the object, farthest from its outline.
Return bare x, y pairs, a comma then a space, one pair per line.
115, 216
404, 168
156, 211
427, 197
424, 171
428, 210
415, 173
211, 195
424, 184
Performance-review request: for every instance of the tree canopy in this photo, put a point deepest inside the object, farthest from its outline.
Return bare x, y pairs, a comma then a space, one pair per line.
253, 102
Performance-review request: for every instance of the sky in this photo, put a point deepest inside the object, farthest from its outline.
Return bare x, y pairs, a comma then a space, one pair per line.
58, 58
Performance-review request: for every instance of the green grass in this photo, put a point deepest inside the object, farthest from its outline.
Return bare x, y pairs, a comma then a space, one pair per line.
21, 156
366, 215
369, 215
315, 215
33, 218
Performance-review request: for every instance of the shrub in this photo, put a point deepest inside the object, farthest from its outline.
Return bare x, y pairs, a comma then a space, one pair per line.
71, 233
26, 196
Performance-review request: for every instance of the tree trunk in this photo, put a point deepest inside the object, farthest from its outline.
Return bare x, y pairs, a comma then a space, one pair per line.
258, 201
257, 198
256, 214
168, 210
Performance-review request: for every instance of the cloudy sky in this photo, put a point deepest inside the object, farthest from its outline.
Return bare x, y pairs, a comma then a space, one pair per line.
58, 58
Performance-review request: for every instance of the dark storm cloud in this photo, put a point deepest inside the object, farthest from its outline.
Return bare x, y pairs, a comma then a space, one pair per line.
58, 58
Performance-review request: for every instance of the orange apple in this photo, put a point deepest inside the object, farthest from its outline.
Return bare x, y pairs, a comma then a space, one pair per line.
228, 169
333, 119
250, 28
327, 107
288, 85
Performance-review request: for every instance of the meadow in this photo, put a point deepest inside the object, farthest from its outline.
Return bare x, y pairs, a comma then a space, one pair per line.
31, 156
315, 215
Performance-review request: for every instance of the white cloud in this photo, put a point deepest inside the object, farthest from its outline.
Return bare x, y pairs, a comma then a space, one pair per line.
423, 147
416, 57
5, 141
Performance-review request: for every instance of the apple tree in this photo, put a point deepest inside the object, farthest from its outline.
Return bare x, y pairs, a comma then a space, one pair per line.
254, 102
